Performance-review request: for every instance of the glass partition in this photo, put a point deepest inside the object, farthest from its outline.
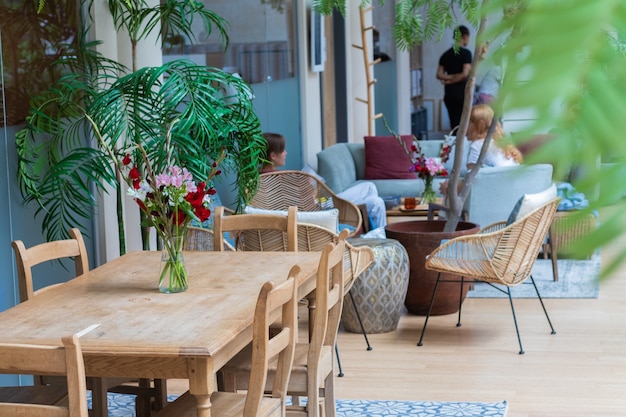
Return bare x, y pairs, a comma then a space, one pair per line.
262, 50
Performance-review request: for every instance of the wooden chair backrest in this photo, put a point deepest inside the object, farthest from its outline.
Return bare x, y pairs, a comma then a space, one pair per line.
37, 359
257, 232
279, 190
281, 343
329, 293
27, 258
520, 243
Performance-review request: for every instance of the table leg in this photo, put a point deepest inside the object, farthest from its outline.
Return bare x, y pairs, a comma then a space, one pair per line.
202, 384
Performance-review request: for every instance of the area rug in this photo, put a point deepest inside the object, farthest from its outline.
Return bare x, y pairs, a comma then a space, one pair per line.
577, 279
121, 405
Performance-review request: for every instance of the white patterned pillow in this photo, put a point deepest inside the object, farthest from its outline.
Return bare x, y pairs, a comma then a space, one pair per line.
530, 202
328, 219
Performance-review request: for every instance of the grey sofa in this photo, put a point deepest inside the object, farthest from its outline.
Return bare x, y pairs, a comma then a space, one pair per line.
493, 195
343, 164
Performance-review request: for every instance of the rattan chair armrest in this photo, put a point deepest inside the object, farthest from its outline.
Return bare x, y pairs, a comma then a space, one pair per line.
494, 227
349, 213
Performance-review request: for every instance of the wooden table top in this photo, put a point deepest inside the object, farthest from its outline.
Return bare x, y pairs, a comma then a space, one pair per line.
135, 319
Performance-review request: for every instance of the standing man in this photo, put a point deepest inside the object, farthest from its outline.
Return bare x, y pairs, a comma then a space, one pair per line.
453, 71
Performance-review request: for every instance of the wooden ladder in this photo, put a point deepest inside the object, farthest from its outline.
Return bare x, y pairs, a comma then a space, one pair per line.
369, 79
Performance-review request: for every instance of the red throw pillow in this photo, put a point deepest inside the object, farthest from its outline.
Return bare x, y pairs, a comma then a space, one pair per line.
386, 159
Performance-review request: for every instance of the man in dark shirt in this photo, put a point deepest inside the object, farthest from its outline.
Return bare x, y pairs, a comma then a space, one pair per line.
453, 71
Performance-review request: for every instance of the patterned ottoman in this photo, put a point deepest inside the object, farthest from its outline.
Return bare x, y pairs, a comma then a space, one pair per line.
378, 292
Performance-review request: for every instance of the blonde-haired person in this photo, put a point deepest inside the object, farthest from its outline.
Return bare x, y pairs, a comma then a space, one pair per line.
498, 153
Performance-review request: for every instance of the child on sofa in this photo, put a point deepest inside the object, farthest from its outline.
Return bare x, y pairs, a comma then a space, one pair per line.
360, 193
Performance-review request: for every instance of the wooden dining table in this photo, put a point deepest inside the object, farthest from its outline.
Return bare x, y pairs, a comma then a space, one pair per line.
143, 333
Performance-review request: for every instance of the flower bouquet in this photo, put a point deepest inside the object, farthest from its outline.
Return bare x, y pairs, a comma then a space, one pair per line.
429, 167
170, 200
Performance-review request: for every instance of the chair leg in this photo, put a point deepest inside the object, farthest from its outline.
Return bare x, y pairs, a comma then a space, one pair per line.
329, 397
99, 398
542, 305
553, 256
358, 317
143, 404
338, 361
519, 339
458, 323
430, 308
160, 393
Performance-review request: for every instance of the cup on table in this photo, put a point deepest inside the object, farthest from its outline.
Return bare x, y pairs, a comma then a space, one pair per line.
410, 203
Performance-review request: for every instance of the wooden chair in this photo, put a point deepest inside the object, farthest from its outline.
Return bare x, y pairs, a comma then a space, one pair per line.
75, 248
266, 346
499, 254
256, 232
280, 189
312, 374
37, 359
307, 237
313, 238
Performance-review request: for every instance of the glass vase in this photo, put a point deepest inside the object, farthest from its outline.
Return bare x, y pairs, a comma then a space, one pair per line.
429, 195
173, 275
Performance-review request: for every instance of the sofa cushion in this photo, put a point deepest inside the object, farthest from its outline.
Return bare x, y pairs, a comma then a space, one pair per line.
385, 158
336, 166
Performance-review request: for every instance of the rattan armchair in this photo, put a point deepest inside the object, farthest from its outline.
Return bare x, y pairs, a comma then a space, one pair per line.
280, 189
499, 254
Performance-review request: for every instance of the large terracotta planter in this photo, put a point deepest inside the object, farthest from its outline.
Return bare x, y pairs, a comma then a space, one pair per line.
420, 238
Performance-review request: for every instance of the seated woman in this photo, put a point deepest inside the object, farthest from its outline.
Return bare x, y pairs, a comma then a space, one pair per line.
498, 154
361, 193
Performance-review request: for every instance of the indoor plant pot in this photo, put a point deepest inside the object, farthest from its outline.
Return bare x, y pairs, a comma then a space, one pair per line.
420, 238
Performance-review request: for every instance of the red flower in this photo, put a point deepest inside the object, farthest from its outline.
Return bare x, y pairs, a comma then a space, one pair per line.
135, 177
179, 217
126, 159
142, 206
203, 213
195, 199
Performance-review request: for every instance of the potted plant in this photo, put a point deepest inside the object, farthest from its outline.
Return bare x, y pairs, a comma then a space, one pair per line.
178, 113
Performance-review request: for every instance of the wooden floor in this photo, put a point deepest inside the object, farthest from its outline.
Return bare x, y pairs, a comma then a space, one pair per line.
579, 372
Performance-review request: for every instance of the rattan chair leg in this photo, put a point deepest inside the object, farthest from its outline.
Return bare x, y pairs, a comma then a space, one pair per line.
542, 305
519, 339
430, 309
358, 317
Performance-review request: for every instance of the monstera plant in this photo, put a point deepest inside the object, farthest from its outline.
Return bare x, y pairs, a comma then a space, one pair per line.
572, 84
205, 113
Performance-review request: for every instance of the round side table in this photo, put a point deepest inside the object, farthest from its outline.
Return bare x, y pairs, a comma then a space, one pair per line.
378, 292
